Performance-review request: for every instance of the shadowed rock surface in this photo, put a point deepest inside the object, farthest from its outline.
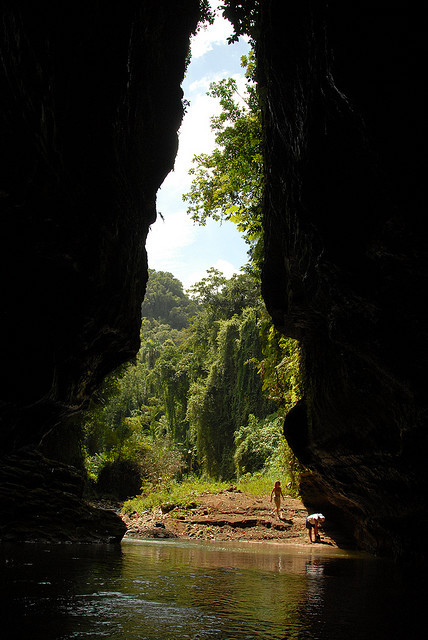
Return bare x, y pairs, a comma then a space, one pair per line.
42, 501
346, 255
90, 106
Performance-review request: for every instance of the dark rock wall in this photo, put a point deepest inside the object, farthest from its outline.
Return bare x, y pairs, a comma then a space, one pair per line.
42, 500
346, 254
90, 108
90, 105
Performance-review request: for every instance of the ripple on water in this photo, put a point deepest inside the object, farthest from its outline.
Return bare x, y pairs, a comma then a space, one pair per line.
198, 592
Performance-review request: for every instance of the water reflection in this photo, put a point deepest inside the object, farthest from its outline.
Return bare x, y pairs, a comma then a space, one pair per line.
171, 589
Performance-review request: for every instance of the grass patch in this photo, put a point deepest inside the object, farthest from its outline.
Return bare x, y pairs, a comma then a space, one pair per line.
178, 493
257, 485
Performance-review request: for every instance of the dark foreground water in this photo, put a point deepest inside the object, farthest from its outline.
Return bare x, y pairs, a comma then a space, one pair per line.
171, 590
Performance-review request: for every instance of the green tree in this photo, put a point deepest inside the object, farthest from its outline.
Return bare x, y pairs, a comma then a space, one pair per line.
226, 297
280, 366
212, 411
257, 442
196, 387
173, 371
228, 183
166, 301
221, 402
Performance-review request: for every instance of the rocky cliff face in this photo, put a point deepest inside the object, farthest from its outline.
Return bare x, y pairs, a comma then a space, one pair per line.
90, 108
346, 255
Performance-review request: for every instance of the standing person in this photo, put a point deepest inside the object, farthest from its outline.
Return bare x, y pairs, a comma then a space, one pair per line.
277, 493
313, 522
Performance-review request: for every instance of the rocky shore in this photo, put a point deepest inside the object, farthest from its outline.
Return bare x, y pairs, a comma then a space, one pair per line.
230, 515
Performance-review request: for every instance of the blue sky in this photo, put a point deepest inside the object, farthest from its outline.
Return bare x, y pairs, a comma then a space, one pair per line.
176, 244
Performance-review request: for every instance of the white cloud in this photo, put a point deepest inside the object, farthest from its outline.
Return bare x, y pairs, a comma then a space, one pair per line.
203, 84
187, 250
195, 134
192, 278
227, 268
195, 137
212, 34
167, 238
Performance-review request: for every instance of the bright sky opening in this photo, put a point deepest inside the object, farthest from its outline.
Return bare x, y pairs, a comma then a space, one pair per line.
175, 243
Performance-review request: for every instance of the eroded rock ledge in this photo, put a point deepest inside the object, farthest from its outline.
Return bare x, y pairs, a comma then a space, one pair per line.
42, 501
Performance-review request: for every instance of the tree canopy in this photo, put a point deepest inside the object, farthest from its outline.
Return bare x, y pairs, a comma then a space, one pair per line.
166, 301
195, 387
227, 183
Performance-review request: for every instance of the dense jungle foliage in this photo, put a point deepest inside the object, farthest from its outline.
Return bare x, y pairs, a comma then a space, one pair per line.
213, 379
206, 393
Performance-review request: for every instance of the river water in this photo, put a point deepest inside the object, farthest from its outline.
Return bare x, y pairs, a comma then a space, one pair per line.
179, 590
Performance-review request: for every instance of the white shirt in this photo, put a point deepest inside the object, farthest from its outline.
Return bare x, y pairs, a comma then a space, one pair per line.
315, 517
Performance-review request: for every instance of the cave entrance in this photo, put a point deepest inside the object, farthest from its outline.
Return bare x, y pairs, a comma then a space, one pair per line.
195, 388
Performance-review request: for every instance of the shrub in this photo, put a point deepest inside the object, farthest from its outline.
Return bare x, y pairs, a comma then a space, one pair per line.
123, 474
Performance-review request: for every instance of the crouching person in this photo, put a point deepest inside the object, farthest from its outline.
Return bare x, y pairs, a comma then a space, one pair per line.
312, 523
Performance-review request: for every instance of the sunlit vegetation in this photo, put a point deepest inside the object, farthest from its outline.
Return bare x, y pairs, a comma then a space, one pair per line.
183, 495
205, 398
179, 495
228, 183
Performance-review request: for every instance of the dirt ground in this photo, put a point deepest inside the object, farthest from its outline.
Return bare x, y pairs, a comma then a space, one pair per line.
230, 515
